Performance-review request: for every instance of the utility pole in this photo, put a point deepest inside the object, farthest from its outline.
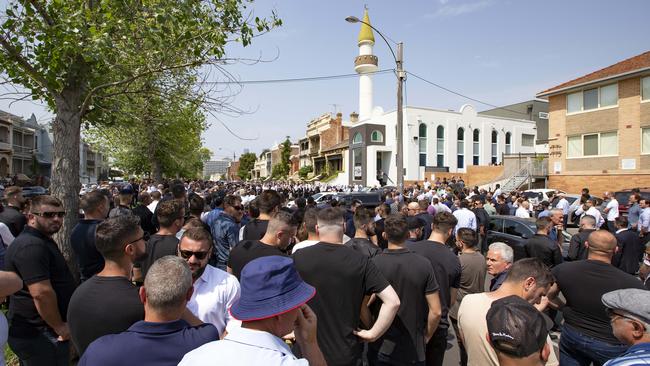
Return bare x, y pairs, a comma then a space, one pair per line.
401, 75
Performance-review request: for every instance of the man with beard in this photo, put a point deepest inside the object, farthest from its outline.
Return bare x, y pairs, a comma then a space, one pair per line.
108, 302
12, 215
214, 290
364, 230
39, 332
95, 205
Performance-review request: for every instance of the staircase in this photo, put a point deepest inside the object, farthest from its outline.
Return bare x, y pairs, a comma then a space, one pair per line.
518, 179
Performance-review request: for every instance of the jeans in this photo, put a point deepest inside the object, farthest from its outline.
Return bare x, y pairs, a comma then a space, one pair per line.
611, 226
579, 349
461, 346
436, 348
42, 350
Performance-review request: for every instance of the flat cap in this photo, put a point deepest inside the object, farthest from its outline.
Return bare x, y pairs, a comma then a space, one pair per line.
634, 302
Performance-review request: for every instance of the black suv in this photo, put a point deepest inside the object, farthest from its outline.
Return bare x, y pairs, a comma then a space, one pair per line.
515, 231
368, 199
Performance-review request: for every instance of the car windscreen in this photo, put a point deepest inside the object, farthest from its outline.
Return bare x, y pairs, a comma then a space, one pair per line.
536, 195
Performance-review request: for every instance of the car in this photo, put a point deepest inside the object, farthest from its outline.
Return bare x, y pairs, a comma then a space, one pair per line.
368, 199
515, 231
320, 198
623, 198
33, 191
536, 196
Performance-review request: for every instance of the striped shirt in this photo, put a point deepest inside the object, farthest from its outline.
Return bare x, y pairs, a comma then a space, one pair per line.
636, 355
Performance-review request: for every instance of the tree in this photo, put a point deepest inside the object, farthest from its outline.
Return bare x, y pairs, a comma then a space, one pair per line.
74, 54
304, 171
246, 164
282, 169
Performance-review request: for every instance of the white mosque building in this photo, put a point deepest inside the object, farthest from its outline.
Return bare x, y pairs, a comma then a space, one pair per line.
434, 140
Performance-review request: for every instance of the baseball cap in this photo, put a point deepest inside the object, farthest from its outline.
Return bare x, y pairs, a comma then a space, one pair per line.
270, 286
515, 327
635, 303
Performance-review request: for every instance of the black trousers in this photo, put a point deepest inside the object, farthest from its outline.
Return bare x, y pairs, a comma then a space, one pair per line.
437, 347
42, 350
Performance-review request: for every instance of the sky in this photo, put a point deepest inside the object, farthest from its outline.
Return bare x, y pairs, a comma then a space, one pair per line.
497, 51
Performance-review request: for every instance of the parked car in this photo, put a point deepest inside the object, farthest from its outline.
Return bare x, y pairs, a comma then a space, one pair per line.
623, 198
536, 196
514, 231
34, 191
320, 198
368, 199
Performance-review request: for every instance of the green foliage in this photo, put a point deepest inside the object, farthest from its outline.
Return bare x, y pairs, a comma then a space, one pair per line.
305, 170
246, 164
100, 46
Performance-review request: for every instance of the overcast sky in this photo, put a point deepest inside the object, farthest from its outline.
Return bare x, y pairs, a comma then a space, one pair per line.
497, 51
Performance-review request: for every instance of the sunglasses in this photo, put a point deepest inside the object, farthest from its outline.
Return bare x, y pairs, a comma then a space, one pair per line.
144, 237
238, 208
187, 254
49, 215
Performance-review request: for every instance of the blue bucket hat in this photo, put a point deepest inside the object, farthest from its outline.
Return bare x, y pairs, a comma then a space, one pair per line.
270, 286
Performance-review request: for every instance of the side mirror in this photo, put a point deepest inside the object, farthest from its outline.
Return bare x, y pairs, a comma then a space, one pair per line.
526, 236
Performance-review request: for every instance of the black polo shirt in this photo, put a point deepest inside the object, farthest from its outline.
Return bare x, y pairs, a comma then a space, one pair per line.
82, 241
158, 246
446, 266
35, 258
412, 277
14, 219
247, 251
255, 229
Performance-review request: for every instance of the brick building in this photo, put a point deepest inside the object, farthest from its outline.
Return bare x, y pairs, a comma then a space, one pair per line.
325, 147
599, 128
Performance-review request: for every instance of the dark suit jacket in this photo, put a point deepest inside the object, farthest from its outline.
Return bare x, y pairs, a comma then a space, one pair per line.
629, 251
14, 219
577, 249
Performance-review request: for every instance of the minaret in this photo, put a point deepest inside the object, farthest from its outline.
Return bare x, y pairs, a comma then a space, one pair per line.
365, 64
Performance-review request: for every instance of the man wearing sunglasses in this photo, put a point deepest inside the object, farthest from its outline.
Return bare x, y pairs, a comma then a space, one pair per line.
214, 290
39, 332
225, 231
629, 315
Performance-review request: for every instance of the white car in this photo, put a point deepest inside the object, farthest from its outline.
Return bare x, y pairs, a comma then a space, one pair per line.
536, 196
320, 197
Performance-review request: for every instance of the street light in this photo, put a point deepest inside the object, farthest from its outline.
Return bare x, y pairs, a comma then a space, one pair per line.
401, 76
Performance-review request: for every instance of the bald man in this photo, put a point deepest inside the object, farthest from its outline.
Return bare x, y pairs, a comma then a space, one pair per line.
587, 335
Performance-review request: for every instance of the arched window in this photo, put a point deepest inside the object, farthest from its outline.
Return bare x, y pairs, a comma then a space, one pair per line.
494, 145
422, 140
376, 136
460, 137
508, 143
440, 146
476, 147
357, 138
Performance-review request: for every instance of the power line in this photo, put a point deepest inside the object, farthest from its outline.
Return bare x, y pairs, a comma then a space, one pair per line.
462, 95
291, 80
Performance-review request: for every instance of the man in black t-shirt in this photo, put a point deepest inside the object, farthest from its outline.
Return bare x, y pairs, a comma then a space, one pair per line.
446, 266
37, 313
577, 248
95, 205
108, 303
541, 246
412, 277
142, 211
281, 230
365, 230
587, 333
12, 215
343, 279
171, 215
268, 203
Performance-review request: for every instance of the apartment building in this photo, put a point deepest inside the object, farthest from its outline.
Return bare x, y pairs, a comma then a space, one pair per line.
599, 128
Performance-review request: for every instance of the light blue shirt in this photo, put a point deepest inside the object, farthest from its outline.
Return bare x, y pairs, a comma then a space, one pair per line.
644, 219
466, 218
244, 347
633, 215
635, 355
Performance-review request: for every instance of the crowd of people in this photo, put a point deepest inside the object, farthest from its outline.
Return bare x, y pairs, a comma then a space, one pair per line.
194, 272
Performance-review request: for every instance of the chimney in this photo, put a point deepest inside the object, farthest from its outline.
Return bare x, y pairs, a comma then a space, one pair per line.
354, 117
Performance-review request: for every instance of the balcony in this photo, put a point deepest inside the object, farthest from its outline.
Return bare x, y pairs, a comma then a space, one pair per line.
24, 150
5, 146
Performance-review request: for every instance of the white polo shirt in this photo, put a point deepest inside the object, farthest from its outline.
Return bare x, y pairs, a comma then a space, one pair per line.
244, 347
214, 293
612, 205
466, 218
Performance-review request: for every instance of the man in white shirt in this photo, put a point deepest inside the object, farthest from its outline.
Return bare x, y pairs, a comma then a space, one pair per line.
214, 290
155, 198
564, 205
589, 209
308, 226
522, 210
465, 217
611, 210
273, 304
497, 191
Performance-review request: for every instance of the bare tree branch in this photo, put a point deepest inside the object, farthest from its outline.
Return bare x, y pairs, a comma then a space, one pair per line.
42, 12
25, 65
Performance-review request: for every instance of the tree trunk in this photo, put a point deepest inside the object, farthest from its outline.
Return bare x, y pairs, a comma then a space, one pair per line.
156, 169
65, 183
